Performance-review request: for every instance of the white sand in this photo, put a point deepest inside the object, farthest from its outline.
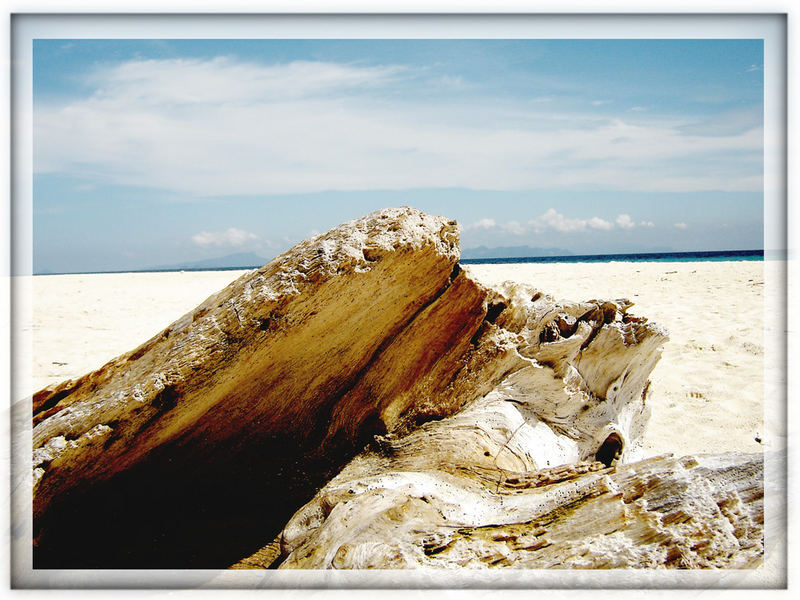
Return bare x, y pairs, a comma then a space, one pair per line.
707, 392
80, 322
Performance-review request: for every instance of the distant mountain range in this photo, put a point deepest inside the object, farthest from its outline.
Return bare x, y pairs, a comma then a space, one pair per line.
512, 252
248, 260
240, 260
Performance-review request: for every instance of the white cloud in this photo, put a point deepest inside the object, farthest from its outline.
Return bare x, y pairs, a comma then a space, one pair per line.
225, 127
637, 109
229, 237
600, 102
193, 82
552, 219
514, 227
598, 223
482, 224
625, 222
681, 226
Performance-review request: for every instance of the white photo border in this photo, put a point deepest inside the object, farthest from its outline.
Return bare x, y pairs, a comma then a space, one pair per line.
778, 211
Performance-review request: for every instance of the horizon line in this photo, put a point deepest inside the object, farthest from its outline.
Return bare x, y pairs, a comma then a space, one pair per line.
542, 258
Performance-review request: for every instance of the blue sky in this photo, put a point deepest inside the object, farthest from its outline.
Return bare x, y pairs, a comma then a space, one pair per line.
153, 152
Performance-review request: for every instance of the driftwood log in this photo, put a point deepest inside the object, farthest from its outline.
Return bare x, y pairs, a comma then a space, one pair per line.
411, 510
451, 423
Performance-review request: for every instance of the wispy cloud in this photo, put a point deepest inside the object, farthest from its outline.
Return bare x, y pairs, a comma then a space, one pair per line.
727, 123
230, 237
455, 81
225, 127
224, 80
681, 226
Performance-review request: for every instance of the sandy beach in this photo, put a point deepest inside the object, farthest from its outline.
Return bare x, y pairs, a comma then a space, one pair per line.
707, 392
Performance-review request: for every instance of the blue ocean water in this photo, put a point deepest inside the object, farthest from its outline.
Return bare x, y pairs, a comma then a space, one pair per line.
650, 257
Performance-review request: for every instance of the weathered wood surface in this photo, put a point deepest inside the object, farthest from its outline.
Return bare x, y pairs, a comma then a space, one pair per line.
196, 448
409, 511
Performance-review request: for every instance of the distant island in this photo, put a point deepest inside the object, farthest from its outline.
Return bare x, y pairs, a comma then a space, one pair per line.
240, 260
